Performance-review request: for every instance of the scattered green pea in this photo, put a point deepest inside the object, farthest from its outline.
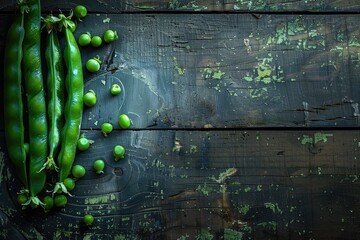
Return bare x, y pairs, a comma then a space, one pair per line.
115, 89
22, 198
90, 98
118, 152
93, 64
60, 200
78, 171
99, 166
83, 143
88, 219
96, 41
84, 39
80, 11
72, 26
69, 184
110, 36
106, 128
124, 121
48, 203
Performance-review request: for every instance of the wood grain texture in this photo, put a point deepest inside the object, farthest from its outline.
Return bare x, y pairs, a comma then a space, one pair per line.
190, 70
190, 83
116, 6
259, 184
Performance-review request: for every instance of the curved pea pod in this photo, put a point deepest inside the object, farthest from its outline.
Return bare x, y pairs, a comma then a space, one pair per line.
74, 84
13, 105
55, 96
34, 87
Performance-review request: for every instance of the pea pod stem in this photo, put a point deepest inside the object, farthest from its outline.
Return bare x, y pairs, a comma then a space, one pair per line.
60, 188
97, 58
38, 130
74, 84
13, 106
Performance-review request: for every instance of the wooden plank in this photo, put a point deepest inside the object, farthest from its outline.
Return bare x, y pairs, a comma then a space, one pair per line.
113, 6
172, 184
225, 71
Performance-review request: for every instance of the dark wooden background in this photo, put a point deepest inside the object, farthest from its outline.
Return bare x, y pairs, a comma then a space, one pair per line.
245, 123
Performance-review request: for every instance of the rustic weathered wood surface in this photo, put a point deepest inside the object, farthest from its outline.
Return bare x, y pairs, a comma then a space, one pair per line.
231, 71
212, 96
116, 6
259, 184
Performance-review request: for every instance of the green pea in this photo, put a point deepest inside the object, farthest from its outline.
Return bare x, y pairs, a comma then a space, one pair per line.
78, 171
93, 64
90, 98
106, 128
80, 11
99, 166
83, 143
60, 200
72, 27
84, 39
96, 41
48, 203
115, 89
69, 184
110, 36
88, 219
118, 152
22, 198
124, 121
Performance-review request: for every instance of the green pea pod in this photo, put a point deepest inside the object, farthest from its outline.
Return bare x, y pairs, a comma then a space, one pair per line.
35, 100
55, 90
13, 106
74, 84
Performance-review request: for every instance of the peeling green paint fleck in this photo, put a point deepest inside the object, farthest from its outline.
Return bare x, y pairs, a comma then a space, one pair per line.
4, 234
193, 149
231, 234
156, 183
205, 189
204, 235
218, 75
106, 20
317, 137
183, 237
306, 140
120, 237
264, 76
212, 73
177, 4
100, 199
292, 208
274, 207
179, 70
244, 209
157, 163
247, 189
272, 225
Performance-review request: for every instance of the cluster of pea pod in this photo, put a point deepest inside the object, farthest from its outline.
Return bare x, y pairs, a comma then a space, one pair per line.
42, 114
